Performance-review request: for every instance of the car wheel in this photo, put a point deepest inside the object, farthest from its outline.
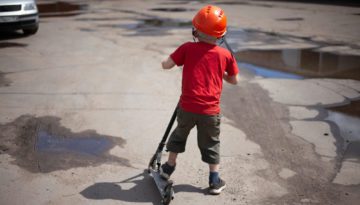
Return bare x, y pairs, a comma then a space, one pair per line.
31, 31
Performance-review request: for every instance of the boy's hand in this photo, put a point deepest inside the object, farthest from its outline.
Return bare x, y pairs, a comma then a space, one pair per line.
168, 63
233, 79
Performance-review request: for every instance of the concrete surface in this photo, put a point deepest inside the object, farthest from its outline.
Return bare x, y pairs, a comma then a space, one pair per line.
301, 92
99, 74
302, 113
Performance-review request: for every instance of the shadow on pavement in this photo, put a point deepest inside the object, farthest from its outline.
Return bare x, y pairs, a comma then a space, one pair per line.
139, 188
11, 44
189, 188
142, 189
9, 35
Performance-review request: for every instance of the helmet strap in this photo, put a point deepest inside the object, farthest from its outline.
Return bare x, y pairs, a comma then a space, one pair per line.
195, 34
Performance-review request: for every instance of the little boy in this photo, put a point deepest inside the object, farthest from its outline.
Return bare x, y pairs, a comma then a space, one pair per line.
205, 65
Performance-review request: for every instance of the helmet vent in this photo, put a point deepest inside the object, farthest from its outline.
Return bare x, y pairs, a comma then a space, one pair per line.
208, 9
221, 13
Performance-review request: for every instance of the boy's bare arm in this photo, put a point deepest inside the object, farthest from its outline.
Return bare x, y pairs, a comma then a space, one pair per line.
168, 63
232, 79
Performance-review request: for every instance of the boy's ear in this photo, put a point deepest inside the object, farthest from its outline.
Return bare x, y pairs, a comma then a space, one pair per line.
195, 33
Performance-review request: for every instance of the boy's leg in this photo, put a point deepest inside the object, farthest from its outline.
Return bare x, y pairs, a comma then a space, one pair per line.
216, 184
172, 159
208, 128
214, 167
178, 138
177, 141
168, 167
214, 173
209, 144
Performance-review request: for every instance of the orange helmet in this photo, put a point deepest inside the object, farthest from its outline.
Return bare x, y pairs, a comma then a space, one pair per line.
210, 20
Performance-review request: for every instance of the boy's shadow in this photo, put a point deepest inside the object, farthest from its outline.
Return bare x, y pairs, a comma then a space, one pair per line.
142, 189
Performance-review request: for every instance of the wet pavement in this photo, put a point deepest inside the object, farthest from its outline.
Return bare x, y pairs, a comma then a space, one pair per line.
172, 9
305, 62
84, 104
3, 80
347, 120
294, 55
150, 26
43, 145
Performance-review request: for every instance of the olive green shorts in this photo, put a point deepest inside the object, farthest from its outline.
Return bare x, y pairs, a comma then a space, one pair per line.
208, 131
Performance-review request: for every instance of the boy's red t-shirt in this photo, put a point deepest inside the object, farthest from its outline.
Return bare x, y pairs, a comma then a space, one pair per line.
202, 79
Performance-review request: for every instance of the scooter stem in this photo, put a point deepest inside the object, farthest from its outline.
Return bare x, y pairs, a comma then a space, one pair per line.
167, 131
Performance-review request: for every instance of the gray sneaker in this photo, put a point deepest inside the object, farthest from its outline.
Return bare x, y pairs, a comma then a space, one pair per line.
216, 189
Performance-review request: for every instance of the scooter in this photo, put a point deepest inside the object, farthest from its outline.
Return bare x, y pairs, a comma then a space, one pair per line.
164, 186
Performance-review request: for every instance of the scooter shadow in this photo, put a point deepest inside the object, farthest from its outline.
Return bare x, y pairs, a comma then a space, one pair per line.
142, 189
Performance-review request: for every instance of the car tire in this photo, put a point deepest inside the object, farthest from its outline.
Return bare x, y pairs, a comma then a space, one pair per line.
31, 31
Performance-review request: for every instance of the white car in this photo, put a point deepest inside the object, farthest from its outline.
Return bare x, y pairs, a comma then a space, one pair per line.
19, 14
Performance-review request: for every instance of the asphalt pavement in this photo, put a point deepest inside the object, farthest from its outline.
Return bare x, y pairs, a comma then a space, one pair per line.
84, 104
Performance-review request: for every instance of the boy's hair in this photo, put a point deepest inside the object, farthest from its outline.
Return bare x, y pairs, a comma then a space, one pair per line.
202, 36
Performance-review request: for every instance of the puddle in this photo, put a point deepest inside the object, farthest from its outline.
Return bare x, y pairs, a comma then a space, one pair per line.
299, 56
86, 145
348, 126
353, 151
178, 9
352, 110
243, 3
61, 9
41, 144
151, 26
165, 23
305, 62
125, 11
267, 73
337, 3
347, 118
4, 82
88, 30
290, 19
247, 39
144, 24
98, 19
178, 2
11, 44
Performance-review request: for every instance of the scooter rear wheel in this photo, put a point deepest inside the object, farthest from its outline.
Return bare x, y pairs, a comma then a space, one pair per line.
169, 194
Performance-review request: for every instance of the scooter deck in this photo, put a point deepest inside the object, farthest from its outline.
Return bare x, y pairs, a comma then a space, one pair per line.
161, 183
